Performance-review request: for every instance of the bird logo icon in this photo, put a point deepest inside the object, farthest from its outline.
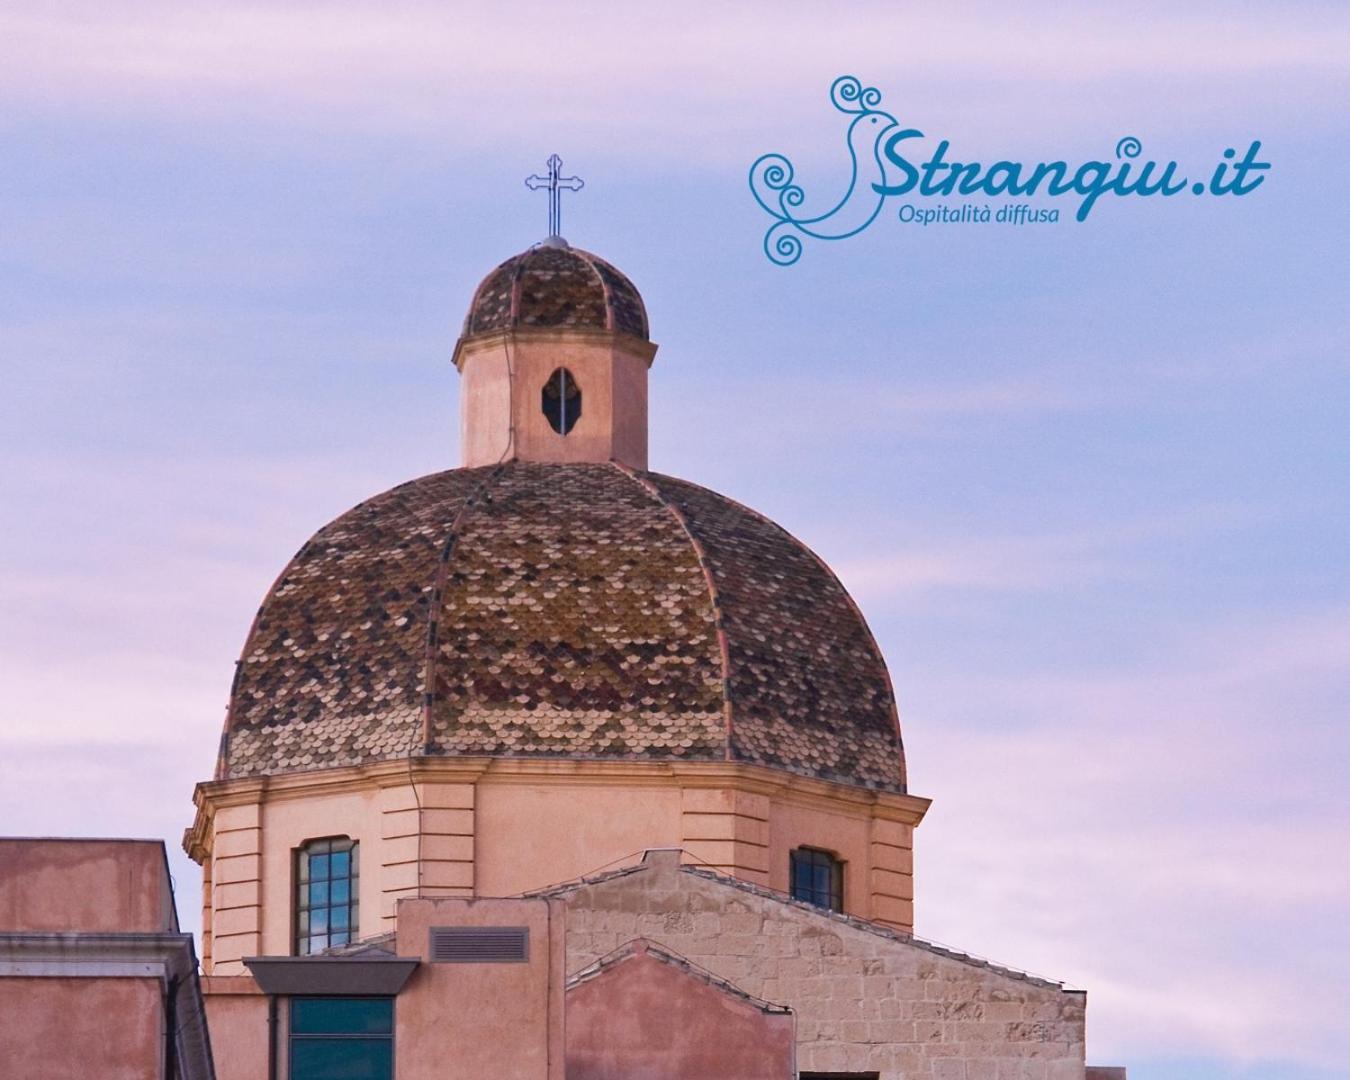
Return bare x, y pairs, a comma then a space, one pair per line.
773, 184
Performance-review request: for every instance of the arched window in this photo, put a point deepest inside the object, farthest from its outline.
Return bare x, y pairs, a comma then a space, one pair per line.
818, 878
325, 894
562, 401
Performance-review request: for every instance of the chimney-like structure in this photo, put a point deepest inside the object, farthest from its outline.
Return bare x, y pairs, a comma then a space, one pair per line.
554, 357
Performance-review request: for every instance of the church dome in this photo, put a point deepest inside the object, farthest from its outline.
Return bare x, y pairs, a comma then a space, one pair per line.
557, 610
554, 285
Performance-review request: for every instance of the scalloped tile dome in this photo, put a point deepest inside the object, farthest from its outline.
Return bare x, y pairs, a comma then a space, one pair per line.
561, 610
556, 286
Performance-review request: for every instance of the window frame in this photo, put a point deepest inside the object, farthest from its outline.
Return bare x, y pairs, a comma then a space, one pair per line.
560, 380
816, 858
301, 906
390, 1036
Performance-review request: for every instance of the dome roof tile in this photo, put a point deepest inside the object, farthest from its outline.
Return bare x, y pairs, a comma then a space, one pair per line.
581, 611
546, 287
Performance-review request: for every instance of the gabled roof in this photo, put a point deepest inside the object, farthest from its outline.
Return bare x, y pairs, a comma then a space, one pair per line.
865, 926
869, 927
642, 947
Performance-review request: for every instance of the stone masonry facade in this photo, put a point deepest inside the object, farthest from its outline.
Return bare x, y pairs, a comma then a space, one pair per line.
866, 998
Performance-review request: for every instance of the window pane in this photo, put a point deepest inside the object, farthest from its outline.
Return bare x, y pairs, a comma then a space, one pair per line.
562, 401
342, 1016
342, 1059
325, 893
816, 877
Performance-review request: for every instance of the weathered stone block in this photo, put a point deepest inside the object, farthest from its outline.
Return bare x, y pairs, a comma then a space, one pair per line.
863, 999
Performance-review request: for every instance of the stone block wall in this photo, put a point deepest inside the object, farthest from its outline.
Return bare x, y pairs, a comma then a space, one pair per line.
866, 998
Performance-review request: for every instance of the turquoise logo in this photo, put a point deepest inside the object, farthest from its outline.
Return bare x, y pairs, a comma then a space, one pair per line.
887, 160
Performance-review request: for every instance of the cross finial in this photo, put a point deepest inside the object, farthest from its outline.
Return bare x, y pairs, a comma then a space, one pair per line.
555, 184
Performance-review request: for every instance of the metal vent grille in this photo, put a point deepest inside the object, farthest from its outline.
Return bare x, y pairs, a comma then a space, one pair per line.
480, 944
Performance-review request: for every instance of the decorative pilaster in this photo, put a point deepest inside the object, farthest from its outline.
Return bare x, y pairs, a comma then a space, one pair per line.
426, 843
236, 887
400, 831
891, 878
206, 913
447, 839
727, 830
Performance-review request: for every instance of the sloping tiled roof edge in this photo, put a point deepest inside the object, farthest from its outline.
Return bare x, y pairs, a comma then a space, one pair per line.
564, 887
640, 946
877, 929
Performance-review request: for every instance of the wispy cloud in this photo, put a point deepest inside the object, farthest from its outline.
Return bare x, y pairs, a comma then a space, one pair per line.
1154, 833
433, 69
1103, 554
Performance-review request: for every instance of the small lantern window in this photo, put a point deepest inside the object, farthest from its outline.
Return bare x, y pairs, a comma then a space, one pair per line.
562, 401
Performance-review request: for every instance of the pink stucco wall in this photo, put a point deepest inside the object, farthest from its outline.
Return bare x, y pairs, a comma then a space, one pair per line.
647, 1019
236, 1013
59, 1028
503, 1021
532, 835
500, 398
110, 886
516, 826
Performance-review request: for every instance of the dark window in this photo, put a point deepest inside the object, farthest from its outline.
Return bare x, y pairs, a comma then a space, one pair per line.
818, 878
325, 894
562, 401
348, 1038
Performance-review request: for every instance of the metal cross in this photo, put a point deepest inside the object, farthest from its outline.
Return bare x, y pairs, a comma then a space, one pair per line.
556, 185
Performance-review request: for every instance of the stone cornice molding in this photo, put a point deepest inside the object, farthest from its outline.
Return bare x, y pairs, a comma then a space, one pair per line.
114, 955
496, 340
578, 772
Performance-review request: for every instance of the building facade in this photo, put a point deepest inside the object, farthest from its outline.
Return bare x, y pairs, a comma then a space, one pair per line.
96, 978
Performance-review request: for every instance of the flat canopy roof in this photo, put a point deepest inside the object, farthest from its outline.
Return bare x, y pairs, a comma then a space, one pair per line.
331, 975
